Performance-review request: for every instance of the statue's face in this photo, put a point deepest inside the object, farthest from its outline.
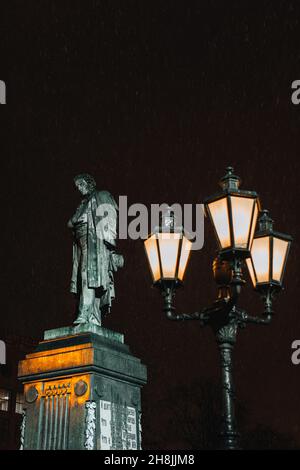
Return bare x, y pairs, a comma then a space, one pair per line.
82, 186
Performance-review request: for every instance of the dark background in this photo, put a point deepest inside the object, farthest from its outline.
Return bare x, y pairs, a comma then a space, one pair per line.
154, 99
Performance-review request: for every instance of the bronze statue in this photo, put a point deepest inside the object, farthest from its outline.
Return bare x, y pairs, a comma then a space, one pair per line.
94, 227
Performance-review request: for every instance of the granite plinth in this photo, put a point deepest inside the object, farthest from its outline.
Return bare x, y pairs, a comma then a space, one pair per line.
82, 391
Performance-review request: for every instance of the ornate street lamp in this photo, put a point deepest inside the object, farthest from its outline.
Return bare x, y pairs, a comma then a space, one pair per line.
233, 213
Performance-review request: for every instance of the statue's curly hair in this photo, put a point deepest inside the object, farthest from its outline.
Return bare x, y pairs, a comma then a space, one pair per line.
88, 179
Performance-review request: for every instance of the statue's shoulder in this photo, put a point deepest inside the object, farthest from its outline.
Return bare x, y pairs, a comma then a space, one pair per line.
104, 197
104, 194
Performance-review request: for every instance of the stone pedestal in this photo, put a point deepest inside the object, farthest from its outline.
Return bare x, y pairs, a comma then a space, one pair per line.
82, 391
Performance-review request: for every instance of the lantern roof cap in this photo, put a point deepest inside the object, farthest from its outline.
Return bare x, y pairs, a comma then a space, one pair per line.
168, 219
230, 184
266, 227
168, 223
265, 222
230, 180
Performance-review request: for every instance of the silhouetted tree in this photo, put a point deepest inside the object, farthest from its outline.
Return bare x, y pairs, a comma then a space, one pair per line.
195, 422
264, 438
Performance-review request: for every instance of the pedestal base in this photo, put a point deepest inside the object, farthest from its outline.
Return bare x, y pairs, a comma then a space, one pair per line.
82, 391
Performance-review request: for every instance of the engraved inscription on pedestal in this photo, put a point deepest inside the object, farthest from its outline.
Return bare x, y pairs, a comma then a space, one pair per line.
118, 427
104, 441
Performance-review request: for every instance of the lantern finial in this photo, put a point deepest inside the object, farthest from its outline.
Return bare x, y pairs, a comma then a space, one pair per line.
230, 180
265, 222
168, 219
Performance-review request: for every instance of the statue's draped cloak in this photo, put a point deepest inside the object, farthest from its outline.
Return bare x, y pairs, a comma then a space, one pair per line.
101, 210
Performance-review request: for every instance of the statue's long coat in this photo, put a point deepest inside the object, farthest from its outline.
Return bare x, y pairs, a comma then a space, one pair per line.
102, 233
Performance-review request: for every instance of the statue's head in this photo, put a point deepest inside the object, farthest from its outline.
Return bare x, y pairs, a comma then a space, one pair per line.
85, 183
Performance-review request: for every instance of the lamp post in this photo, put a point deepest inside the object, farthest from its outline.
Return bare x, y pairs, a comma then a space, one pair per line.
234, 214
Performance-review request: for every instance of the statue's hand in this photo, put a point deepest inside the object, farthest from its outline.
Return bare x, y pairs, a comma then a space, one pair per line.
117, 261
70, 224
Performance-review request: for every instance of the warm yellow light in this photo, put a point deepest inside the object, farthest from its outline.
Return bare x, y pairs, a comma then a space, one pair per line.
260, 254
61, 358
254, 222
219, 214
251, 271
168, 247
279, 253
242, 208
152, 254
185, 252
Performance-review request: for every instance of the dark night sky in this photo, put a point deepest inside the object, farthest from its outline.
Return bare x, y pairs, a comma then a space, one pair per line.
154, 99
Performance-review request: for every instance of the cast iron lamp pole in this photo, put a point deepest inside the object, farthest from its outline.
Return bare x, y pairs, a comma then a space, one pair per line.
234, 214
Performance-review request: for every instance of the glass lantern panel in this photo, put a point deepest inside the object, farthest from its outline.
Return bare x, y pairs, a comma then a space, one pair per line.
185, 253
219, 214
152, 254
168, 247
251, 271
254, 223
260, 253
279, 253
242, 208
